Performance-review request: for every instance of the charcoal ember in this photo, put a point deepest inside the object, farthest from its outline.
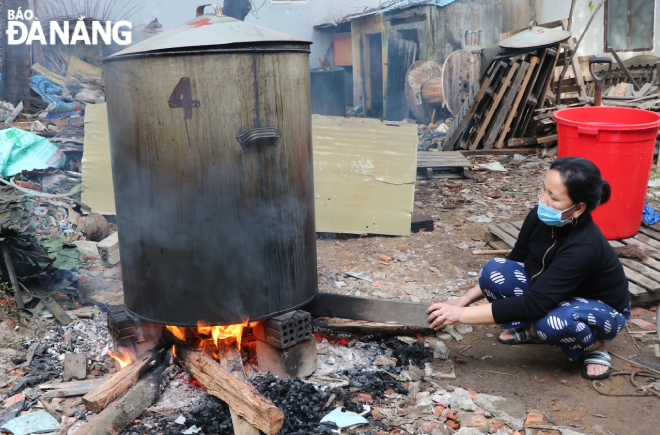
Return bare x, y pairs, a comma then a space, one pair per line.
374, 382
301, 403
353, 407
404, 353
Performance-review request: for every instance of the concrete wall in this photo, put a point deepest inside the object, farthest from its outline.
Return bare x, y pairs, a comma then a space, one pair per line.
545, 11
296, 18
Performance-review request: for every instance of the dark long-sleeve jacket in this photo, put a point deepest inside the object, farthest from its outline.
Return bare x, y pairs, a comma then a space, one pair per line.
563, 262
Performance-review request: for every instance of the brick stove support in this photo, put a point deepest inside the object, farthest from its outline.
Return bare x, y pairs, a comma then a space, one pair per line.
296, 361
131, 333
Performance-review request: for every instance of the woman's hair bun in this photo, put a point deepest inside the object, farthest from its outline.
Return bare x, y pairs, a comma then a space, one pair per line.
606, 192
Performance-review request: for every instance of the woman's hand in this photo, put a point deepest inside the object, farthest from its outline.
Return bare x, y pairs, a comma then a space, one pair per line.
443, 314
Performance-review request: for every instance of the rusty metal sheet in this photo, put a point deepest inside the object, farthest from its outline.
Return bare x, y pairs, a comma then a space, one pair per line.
364, 175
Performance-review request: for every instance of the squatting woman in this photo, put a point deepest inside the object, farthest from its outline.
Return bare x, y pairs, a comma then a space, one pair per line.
562, 284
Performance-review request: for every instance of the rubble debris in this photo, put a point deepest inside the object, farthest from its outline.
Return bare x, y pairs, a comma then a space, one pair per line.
75, 367
108, 249
34, 422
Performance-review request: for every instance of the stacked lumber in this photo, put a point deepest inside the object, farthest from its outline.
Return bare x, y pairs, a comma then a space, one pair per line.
513, 102
643, 276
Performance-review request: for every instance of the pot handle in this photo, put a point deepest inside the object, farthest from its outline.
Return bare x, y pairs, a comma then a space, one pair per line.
217, 7
259, 133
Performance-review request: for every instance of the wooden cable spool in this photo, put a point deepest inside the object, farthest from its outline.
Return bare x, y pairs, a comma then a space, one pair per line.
429, 86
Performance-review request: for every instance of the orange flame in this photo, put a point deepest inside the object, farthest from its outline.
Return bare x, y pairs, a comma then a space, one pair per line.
221, 332
122, 358
209, 338
178, 331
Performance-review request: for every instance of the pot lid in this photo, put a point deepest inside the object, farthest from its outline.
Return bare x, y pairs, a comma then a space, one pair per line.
207, 30
535, 37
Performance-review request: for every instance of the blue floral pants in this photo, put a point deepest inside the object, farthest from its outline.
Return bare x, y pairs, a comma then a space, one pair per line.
575, 325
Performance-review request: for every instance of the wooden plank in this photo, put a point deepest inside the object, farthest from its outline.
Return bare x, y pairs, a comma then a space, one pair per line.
528, 98
461, 126
70, 389
373, 310
421, 223
641, 280
241, 397
644, 270
505, 107
649, 241
116, 385
652, 251
504, 85
504, 152
400, 55
120, 414
636, 290
56, 310
365, 327
615, 244
510, 229
230, 359
650, 232
502, 235
577, 69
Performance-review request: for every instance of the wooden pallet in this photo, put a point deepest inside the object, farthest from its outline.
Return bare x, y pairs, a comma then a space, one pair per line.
533, 61
643, 277
465, 126
442, 164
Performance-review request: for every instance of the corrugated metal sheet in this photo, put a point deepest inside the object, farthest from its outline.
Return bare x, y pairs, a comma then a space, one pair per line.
386, 7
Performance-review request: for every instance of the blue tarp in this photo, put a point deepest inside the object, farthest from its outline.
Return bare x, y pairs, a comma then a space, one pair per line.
52, 95
650, 215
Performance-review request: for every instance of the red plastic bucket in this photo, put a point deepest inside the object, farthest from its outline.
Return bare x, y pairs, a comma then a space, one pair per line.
620, 141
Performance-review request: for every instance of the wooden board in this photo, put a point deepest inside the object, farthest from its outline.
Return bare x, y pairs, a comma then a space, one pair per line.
373, 310
505, 107
417, 74
638, 267
502, 88
400, 56
441, 164
506, 237
459, 73
464, 118
641, 280
516, 105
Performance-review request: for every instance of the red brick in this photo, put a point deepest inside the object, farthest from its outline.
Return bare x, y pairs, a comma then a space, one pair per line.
534, 418
404, 248
451, 415
385, 258
428, 427
497, 425
438, 410
647, 326
364, 398
376, 415
14, 399
452, 424
479, 422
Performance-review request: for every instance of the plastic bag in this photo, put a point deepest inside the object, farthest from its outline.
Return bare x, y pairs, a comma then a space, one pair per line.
21, 150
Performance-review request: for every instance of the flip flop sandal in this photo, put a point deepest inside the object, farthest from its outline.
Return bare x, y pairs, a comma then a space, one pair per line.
521, 335
597, 357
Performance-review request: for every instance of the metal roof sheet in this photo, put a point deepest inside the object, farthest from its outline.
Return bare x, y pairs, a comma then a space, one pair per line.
386, 7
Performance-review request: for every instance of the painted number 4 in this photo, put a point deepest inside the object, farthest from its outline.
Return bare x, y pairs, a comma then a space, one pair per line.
181, 98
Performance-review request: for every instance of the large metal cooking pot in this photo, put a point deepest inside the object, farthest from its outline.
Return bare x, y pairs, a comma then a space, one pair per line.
210, 130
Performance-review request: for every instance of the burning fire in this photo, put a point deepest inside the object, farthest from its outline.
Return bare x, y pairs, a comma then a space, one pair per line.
123, 358
209, 338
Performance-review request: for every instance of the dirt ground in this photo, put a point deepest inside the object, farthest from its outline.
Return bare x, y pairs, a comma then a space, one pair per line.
540, 376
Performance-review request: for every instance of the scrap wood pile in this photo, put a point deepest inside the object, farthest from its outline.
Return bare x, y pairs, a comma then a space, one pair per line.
631, 83
512, 104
